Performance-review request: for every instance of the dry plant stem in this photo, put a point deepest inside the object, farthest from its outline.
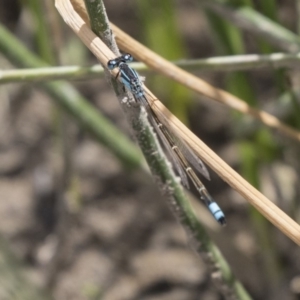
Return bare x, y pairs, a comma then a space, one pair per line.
258, 200
66, 96
265, 206
220, 272
163, 66
169, 185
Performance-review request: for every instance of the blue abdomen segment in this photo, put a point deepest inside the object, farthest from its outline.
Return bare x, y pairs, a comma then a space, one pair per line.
217, 213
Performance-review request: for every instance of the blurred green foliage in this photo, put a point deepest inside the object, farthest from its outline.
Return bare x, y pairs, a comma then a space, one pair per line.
159, 30
161, 33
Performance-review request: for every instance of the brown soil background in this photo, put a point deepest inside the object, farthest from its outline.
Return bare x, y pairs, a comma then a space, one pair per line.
85, 228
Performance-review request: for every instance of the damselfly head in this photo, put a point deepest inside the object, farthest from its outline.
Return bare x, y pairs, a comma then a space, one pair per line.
112, 64
116, 62
127, 57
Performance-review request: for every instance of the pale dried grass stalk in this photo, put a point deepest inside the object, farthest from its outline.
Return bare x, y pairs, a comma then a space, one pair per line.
198, 85
275, 215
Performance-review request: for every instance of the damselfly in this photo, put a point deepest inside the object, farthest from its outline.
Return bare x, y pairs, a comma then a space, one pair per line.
180, 154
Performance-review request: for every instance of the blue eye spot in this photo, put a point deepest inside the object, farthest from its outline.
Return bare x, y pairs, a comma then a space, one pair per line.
127, 57
111, 64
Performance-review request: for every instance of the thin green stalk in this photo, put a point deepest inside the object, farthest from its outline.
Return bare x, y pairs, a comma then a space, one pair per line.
221, 273
160, 167
100, 25
66, 96
219, 64
248, 19
51, 73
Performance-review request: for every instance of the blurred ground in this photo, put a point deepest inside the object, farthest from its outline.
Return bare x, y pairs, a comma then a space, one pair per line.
85, 228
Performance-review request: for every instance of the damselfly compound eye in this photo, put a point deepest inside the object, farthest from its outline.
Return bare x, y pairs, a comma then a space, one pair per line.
112, 64
127, 57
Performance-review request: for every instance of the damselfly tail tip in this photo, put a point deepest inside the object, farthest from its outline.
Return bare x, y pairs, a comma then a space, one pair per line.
222, 221
217, 213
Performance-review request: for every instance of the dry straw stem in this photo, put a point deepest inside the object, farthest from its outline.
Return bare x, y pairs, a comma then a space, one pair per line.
265, 206
161, 65
196, 84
